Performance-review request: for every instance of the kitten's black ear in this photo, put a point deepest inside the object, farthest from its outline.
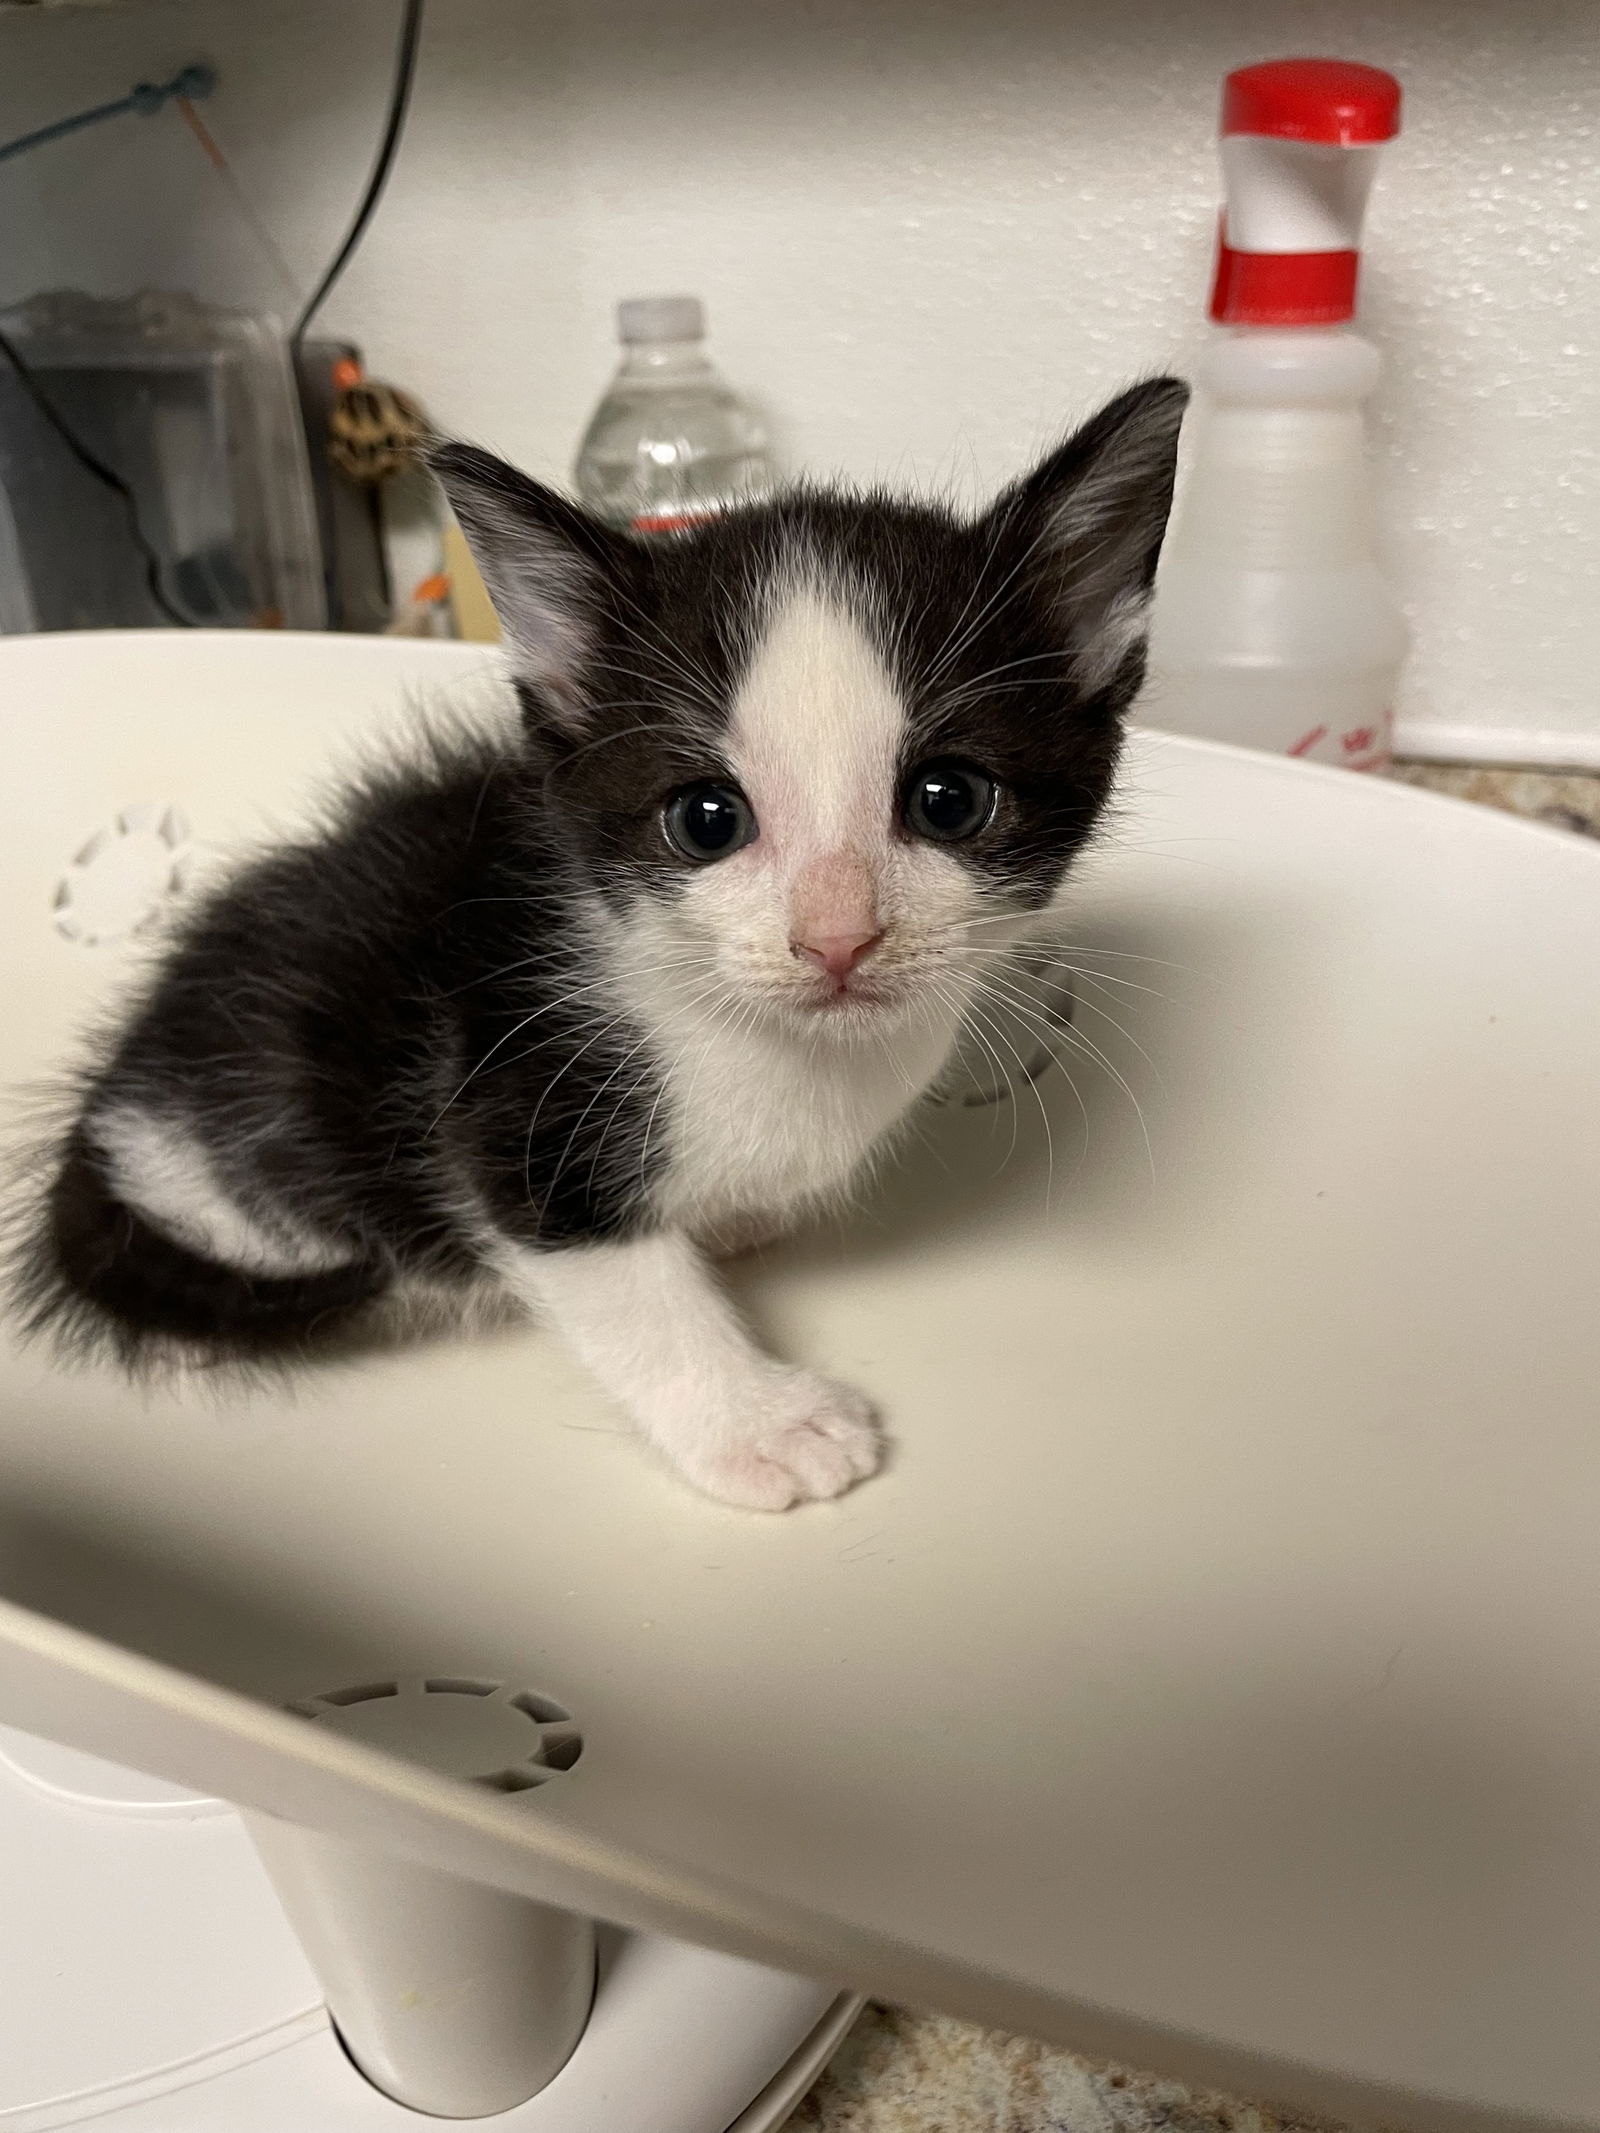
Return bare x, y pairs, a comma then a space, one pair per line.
1085, 528
550, 569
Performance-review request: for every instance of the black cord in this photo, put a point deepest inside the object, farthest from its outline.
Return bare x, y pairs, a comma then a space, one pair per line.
96, 466
405, 70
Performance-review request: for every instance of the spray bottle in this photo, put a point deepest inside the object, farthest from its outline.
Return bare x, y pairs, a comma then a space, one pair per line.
1274, 623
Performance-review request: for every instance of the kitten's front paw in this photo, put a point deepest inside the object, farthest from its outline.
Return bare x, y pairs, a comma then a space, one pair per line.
810, 1437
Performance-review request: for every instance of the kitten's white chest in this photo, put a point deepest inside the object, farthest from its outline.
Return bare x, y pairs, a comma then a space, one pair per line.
761, 1125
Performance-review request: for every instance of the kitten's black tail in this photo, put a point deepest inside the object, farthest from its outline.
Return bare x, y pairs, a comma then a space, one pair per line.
96, 1274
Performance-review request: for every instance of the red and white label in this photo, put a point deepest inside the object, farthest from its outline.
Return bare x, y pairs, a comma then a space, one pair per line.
1364, 747
675, 518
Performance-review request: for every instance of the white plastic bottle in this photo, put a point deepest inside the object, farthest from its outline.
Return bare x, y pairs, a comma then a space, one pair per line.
1275, 624
670, 442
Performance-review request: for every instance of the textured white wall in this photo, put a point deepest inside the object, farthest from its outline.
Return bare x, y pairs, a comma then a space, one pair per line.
930, 234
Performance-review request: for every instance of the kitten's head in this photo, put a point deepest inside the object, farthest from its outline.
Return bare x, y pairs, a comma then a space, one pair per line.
825, 755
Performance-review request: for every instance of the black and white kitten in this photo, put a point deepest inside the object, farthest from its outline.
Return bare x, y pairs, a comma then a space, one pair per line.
575, 1010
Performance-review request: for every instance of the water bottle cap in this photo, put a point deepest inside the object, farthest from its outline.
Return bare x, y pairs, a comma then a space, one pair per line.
1300, 140
661, 318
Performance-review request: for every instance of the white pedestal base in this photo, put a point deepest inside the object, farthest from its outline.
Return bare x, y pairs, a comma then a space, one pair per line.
149, 1983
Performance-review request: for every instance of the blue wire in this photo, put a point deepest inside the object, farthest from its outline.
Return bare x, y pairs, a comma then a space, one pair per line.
145, 97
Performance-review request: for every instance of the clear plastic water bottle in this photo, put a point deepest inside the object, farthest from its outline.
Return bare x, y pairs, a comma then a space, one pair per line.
670, 442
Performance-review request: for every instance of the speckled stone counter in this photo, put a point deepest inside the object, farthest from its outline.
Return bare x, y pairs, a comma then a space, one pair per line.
1565, 799
906, 2073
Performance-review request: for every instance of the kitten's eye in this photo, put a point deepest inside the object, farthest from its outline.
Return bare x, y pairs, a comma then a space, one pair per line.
949, 801
706, 822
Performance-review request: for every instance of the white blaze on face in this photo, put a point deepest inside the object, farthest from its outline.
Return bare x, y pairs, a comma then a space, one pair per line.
815, 742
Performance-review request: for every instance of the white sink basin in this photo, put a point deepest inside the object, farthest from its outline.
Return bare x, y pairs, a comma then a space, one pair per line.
1213, 1679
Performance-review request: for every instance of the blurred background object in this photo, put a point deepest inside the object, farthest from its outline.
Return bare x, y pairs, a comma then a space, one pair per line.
164, 460
930, 236
669, 442
154, 468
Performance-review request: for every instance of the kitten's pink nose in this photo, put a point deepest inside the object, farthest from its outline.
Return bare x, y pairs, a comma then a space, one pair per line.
833, 914
836, 953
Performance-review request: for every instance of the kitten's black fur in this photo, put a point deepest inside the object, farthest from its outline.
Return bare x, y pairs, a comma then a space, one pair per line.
385, 1029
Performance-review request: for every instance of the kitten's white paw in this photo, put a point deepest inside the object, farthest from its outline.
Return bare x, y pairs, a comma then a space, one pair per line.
810, 1437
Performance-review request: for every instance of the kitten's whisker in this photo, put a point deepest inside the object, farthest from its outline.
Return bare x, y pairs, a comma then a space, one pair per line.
1122, 955
964, 1012
1037, 966
1032, 1081
982, 688
1101, 978
1071, 1034
661, 1094
484, 1061
694, 1081
949, 652
622, 1104
604, 740
544, 1097
683, 960
631, 1053
1036, 1012
657, 646
1058, 653
1047, 1033
563, 1000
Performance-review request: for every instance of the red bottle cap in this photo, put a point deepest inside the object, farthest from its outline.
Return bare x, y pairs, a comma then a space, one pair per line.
1336, 101
1296, 257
